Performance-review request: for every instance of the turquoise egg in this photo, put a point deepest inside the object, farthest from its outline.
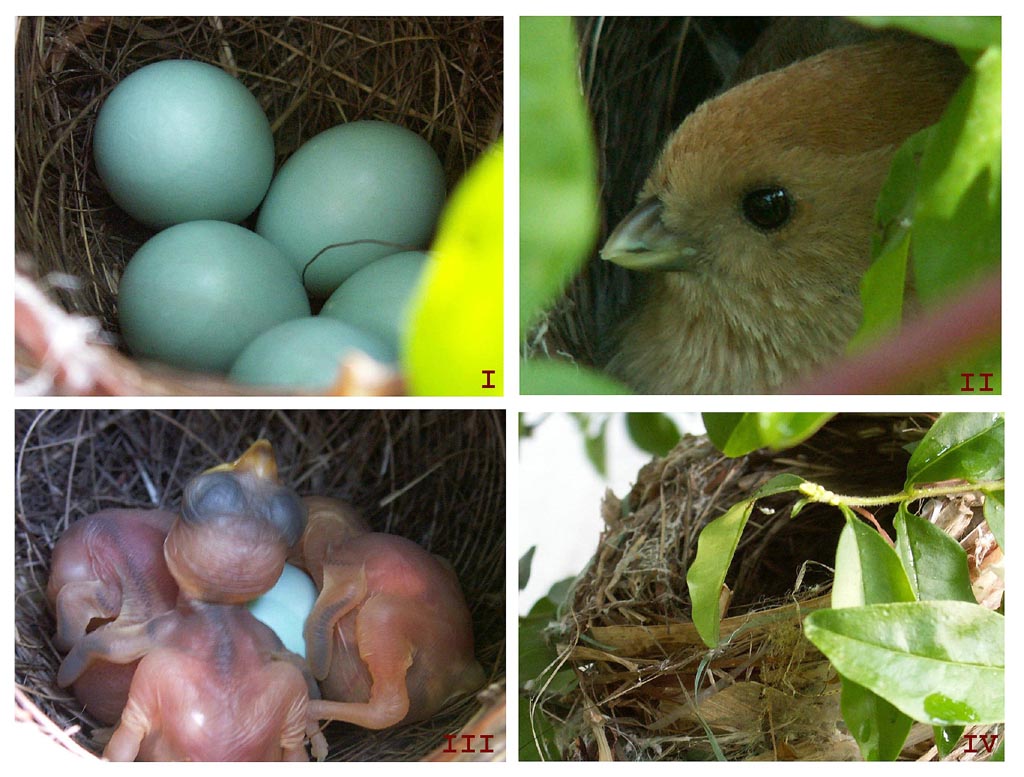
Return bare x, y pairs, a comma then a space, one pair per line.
181, 141
366, 180
196, 294
285, 607
376, 298
305, 354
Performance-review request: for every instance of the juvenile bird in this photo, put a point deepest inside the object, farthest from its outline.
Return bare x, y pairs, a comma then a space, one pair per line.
390, 638
107, 579
757, 218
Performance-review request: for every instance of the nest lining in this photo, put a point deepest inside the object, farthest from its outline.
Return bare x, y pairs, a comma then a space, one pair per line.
766, 693
439, 77
436, 477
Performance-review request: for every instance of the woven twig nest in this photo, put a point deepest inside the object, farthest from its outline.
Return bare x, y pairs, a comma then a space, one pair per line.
436, 477
439, 77
766, 693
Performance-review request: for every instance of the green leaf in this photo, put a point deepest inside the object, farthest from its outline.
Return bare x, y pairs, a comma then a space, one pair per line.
594, 439
780, 484
535, 731
967, 32
994, 501
550, 376
879, 728
881, 293
938, 662
525, 565
883, 285
985, 361
557, 167
998, 755
736, 434
652, 432
947, 738
934, 561
716, 546
957, 219
535, 654
868, 571
721, 429
959, 446
456, 317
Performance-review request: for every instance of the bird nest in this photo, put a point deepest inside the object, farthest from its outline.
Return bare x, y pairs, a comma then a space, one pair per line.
440, 77
437, 477
646, 687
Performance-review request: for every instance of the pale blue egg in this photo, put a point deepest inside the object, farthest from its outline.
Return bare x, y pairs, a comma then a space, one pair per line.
285, 607
180, 140
377, 297
196, 294
366, 180
305, 354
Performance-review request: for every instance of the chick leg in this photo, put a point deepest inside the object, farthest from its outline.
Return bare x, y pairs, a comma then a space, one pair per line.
127, 738
344, 588
385, 630
114, 643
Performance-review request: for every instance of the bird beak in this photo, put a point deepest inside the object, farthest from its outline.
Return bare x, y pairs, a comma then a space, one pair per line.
641, 241
259, 460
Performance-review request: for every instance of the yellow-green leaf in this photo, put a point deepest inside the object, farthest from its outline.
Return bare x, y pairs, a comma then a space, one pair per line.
454, 343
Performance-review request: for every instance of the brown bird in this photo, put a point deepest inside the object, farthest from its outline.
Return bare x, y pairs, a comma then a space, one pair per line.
757, 218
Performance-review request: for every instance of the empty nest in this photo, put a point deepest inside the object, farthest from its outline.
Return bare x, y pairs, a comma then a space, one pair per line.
765, 693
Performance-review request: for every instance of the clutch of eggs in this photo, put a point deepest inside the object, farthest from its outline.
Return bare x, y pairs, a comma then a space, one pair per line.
183, 146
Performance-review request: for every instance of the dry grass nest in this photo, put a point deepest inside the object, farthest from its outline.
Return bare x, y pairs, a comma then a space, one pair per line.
766, 693
437, 477
440, 77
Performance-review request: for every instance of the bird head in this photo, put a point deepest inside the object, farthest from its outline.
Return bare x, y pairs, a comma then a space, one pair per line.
763, 198
236, 525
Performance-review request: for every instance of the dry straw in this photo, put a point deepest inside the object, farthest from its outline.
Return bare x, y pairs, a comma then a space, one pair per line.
437, 477
646, 687
440, 77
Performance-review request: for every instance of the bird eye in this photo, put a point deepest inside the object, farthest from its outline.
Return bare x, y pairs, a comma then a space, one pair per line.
768, 208
288, 514
210, 495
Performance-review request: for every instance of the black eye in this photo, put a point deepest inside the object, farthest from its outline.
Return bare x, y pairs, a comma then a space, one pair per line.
209, 496
768, 208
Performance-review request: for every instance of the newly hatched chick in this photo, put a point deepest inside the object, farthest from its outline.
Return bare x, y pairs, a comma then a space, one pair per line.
108, 578
214, 683
757, 218
390, 638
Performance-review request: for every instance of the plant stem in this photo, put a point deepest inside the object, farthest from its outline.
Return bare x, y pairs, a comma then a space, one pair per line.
816, 493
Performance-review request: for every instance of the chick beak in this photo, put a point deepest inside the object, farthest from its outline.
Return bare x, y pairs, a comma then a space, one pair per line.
258, 460
641, 241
